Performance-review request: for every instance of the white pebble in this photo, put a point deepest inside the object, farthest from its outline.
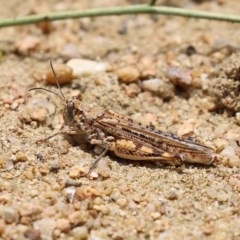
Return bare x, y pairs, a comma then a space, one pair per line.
180, 76
80, 233
230, 153
152, 85
103, 168
70, 193
83, 66
10, 215
93, 175
46, 227
238, 117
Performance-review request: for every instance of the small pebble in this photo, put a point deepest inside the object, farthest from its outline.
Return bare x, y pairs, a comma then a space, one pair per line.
93, 175
98, 201
64, 74
46, 227
238, 118
198, 206
83, 66
5, 198
180, 76
211, 192
70, 193
162, 225
211, 177
70, 49
155, 215
76, 171
10, 215
87, 192
128, 74
208, 104
77, 218
169, 211
14, 105
30, 210
222, 196
63, 225
38, 114
32, 234
3, 159
171, 195
152, 85
2, 226
26, 220
230, 153
132, 89
234, 161
103, 168
28, 173
122, 202
44, 170
102, 208
28, 43
24, 116
80, 233
148, 67
235, 182
208, 229
21, 157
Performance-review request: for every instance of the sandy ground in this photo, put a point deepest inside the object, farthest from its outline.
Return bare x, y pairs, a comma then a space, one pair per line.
43, 191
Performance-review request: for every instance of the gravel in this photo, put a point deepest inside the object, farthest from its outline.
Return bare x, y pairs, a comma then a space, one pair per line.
45, 191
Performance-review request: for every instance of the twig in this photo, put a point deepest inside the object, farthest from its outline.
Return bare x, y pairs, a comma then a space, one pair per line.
134, 9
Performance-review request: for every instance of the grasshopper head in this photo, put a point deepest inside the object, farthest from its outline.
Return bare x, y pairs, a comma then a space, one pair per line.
71, 109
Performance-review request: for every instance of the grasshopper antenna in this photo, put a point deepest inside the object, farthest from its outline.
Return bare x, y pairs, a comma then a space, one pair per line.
55, 76
61, 96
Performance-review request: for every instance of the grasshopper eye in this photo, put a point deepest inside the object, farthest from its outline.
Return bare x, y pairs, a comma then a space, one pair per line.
70, 111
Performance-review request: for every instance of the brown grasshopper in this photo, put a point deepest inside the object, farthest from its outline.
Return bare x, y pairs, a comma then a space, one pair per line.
127, 138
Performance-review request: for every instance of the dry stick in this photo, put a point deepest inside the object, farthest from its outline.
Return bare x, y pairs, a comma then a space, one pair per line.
133, 9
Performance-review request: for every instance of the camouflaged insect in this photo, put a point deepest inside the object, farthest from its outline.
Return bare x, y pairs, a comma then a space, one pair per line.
130, 139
